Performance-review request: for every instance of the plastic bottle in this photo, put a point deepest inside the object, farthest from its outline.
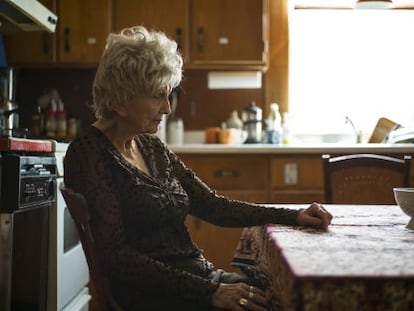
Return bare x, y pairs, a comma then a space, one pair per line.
274, 125
286, 131
72, 129
61, 123
36, 124
50, 121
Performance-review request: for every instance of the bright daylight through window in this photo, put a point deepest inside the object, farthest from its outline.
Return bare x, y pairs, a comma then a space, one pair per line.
356, 63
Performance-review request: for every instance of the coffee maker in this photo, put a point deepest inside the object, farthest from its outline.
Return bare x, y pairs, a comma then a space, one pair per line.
9, 117
252, 123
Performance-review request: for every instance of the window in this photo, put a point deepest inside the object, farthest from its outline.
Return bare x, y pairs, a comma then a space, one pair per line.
356, 63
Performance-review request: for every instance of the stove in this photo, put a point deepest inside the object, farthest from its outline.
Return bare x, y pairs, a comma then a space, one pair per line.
27, 192
42, 263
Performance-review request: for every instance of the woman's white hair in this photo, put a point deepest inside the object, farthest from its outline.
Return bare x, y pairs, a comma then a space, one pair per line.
135, 61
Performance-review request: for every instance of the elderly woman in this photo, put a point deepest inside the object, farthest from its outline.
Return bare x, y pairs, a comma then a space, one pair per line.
139, 192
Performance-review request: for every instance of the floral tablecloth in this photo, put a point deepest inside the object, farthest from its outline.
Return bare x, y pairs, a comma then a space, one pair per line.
365, 261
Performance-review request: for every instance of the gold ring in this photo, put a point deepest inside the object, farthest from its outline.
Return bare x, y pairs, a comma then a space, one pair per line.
243, 301
251, 294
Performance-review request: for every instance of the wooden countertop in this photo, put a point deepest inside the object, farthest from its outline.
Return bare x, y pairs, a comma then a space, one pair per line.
289, 149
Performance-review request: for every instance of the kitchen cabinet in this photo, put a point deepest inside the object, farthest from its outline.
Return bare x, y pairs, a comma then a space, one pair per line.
170, 17
80, 37
210, 33
229, 31
296, 179
42, 45
82, 30
238, 177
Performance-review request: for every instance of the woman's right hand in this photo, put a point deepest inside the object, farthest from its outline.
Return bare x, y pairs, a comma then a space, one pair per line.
240, 297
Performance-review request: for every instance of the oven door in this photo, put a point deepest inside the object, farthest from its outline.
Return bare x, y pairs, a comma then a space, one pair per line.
23, 258
68, 269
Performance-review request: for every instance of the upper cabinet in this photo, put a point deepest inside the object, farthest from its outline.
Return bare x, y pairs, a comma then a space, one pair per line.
80, 35
210, 33
229, 32
82, 30
31, 47
171, 17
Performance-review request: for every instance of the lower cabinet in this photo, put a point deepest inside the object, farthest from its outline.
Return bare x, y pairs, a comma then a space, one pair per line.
239, 177
217, 243
296, 179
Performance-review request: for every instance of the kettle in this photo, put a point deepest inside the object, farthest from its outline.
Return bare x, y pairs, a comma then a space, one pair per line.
252, 123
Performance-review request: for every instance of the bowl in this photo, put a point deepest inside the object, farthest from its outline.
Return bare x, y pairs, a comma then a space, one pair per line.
404, 197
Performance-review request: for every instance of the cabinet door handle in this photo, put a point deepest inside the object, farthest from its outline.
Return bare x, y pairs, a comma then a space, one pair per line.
227, 173
179, 38
67, 39
200, 35
45, 44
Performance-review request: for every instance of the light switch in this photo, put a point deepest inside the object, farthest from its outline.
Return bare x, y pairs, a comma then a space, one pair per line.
291, 173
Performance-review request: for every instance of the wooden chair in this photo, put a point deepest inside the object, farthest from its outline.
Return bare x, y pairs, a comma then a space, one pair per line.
78, 209
364, 178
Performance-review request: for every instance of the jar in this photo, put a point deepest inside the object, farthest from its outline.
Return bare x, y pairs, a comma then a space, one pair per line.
234, 121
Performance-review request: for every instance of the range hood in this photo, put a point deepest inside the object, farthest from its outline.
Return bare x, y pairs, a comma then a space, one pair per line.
25, 15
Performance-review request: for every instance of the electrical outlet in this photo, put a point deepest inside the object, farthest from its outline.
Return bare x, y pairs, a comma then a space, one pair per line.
291, 173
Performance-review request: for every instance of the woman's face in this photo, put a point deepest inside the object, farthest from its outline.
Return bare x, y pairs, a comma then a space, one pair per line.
144, 113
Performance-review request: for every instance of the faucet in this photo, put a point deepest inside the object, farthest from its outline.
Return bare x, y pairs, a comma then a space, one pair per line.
358, 134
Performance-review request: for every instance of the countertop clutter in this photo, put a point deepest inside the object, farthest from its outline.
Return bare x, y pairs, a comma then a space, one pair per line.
292, 148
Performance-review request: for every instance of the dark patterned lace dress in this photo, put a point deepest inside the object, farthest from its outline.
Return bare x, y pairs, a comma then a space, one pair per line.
138, 220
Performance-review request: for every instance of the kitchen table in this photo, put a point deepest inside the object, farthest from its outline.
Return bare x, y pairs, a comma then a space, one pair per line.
364, 261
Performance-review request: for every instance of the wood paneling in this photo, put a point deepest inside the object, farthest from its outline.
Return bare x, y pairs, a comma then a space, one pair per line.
276, 85
201, 107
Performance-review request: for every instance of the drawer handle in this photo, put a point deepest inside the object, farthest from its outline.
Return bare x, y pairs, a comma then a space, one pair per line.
66, 33
179, 38
227, 173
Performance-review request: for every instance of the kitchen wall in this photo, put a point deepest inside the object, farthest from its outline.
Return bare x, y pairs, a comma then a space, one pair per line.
73, 84
199, 106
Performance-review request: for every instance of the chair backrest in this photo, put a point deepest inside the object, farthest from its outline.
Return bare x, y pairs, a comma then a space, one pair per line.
78, 209
364, 178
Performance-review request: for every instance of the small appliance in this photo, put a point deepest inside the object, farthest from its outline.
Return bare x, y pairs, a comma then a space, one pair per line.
252, 122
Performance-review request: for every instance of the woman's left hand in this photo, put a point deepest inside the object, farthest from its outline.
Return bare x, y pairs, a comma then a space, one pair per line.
315, 216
